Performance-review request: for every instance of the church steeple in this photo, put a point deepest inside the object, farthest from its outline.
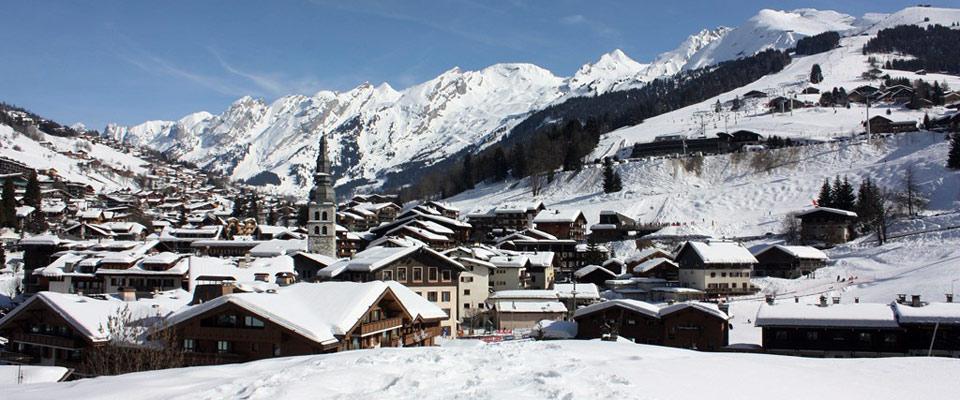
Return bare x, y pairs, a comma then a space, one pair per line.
321, 226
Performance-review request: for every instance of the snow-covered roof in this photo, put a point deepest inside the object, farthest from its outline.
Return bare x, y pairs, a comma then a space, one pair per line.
557, 216
276, 247
829, 210
805, 252
375, 258
637, 306
708, 308
687, 231
524, 295
586, 291
415, 304
510, 306
317, 311
651, 263
873, 315
580, 273
24, 211
944, 313
716, 252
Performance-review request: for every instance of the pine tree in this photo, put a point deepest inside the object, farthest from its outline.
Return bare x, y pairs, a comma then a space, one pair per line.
519, 161
572, 160
825, 199
816, 75
467, 173
32, 196
844, 197
611, 179
9, 204
37, 223
500, 167
272, 217
253, 207
953, 157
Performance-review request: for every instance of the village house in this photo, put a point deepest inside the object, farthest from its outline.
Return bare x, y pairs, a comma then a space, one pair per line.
789, 262
523, 309
691, 325
564, 224
826, 226
422, 269
659, 267
719, 268
881, 124
302, 319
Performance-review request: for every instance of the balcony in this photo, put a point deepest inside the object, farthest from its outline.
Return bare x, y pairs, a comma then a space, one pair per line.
45, 340
379, 326
421, 335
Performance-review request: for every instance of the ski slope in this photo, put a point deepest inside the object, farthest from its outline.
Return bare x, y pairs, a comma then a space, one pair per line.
527, 370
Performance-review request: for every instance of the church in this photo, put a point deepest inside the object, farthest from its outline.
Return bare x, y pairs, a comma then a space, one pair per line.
322, 224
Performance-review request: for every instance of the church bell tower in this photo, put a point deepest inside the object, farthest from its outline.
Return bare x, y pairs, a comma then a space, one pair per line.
322, 221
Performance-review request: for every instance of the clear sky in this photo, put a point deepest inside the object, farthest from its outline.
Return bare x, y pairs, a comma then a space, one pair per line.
128, 61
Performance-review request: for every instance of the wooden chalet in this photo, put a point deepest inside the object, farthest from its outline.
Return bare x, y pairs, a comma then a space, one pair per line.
789, 262
691, 325
826, 226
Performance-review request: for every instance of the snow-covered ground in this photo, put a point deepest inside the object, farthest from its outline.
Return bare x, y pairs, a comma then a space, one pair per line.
528, 370
34, 154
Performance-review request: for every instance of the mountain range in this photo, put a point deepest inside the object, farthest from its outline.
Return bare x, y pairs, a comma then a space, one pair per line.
377, 130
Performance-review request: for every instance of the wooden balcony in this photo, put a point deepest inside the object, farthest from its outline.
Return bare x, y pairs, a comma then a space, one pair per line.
381, 325
421, 335
46, 340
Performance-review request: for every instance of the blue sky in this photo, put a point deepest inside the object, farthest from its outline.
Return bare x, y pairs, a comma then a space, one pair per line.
126, 61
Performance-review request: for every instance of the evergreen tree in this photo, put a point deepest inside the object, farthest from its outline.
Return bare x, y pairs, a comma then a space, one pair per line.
611, 179
239, 205
467, 174
500, 167
519, 161
843, 195
953, 157
253, 207
37, 223
272, 216
3, 256
825, 199
571, 160
816, 75
303, 215
32, 196
9, 204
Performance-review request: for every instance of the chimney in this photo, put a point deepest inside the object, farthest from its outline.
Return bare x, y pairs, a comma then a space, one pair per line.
128, 294
949, 297
823, 301
901, 298
856, 299
915, 300
260, 276
796, 299
836, 300
770, 299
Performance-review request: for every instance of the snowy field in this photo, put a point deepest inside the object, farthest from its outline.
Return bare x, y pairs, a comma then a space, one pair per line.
528, 370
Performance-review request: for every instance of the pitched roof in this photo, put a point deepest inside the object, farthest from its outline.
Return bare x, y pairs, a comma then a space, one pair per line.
873, 315
805, 252
829, 210
722, 252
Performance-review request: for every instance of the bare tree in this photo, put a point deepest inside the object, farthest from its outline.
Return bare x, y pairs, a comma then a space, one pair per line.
536, 184
135, 345
910, 199
791, 228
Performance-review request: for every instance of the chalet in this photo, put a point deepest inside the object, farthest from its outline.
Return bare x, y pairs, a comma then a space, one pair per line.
662, 268
568, 252
422, 269
645, 255
784, 104
594, 274
716, 267
613, 226
692, 325
524, 309
179, 240
811, 90
503, 219
788, 262
306, 318
881, 124
837, 330
223, 248
754, 94
38, 252
308, 265
474, 286
157, 272
565, 224
445, 209
826, 226
63, 329
349, 243
951, 98
930, 328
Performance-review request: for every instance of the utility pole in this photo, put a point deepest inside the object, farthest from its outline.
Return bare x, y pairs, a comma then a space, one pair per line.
868, 117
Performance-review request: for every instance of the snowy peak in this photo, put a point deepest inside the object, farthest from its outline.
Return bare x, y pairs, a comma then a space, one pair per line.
604, 75
921, 16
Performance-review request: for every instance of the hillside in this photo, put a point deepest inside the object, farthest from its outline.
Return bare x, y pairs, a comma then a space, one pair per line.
527, 370
376, 130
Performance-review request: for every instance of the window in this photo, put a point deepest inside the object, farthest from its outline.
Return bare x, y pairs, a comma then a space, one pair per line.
252, 322
466, 292
402, 274
432, 274
276, 351
418, 274
781, 335
324, 230
713, 274
432, 296
466, 306
890, 338
388, 275
324, 217
316, 215
723, 274
227, 320
865, 337
189, 345
316, 230
446, 276
631, 322
445, 296
224, 346
813, 336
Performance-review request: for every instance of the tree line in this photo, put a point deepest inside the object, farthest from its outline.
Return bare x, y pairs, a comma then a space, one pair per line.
815, 44
933, 48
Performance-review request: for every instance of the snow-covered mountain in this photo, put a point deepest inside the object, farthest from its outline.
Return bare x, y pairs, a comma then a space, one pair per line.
376, 130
